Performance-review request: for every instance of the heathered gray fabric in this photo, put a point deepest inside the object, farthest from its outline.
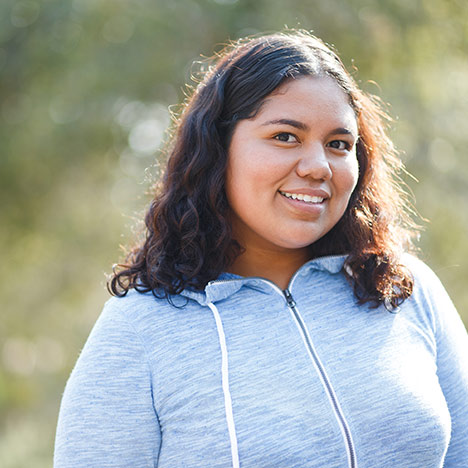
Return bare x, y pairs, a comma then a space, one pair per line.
146, 390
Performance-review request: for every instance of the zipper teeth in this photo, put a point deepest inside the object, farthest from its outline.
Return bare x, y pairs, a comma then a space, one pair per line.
331, 394
315, 359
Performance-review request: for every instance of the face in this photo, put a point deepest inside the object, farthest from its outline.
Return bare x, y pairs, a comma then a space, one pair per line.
292, 168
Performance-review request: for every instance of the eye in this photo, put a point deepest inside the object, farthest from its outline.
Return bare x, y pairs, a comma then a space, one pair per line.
340, 145
286, 137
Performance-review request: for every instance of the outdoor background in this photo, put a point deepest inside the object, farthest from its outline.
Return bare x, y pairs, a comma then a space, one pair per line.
85, 87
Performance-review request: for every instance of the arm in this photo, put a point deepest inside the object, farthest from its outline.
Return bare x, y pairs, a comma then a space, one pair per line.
452, 370
107, 417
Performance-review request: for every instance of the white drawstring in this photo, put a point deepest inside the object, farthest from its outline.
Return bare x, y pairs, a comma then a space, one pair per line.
225, 384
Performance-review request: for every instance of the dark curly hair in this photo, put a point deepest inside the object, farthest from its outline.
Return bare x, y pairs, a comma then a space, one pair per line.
188, 236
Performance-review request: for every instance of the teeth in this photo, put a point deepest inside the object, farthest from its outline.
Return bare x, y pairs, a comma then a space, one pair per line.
300, 196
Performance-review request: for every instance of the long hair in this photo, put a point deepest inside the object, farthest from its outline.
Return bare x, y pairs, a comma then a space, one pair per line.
188, 235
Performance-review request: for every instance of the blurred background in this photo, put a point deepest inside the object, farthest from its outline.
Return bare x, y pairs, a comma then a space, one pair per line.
85, 87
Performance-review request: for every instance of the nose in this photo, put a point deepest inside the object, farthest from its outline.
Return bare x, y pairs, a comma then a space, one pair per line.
314, 163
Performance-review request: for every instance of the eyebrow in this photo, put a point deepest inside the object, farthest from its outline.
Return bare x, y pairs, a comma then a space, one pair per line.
290, 122
303, 126
343, 131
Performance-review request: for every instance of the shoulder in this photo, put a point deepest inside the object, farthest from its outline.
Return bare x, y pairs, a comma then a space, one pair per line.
429, 295
417, 267
136, 307
128, 325
426, 282
145, 315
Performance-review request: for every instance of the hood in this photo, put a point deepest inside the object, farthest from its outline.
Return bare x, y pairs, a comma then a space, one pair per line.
228, 284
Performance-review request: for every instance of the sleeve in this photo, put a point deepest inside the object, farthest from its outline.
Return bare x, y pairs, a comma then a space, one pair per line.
107, 416
452, 368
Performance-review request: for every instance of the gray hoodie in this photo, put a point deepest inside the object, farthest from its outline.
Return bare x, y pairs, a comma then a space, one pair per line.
244, 374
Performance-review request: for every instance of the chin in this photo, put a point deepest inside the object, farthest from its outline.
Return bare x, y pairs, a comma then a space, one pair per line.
299, 240
297, 244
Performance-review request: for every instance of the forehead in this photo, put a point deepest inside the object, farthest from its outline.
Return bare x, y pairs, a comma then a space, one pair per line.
309, 99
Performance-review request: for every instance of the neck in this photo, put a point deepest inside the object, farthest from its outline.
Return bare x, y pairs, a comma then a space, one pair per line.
278, 267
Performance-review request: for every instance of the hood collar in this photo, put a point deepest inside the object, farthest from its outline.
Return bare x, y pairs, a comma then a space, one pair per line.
228, 284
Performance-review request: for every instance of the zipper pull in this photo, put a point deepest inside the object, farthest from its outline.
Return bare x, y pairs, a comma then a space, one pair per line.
289, 298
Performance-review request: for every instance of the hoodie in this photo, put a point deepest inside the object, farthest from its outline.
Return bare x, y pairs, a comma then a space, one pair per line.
244, 374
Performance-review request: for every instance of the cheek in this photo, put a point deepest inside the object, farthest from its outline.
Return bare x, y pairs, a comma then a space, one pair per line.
252, 174
354, 174
346, 177
240, 185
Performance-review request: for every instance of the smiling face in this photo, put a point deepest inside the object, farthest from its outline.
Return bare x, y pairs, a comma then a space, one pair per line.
292, 168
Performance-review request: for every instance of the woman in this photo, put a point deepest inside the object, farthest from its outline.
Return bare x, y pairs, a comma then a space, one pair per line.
272, 317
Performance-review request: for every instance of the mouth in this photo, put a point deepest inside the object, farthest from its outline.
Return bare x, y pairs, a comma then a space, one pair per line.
313, 200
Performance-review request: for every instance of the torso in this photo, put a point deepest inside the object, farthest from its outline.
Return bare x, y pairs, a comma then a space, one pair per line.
380, 367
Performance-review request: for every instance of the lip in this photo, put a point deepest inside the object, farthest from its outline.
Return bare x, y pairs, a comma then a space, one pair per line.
301, 206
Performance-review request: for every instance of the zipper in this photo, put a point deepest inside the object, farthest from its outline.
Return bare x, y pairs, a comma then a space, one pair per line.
326, 381
291, 303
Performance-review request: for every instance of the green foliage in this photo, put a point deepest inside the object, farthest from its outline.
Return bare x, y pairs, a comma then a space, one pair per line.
84, 91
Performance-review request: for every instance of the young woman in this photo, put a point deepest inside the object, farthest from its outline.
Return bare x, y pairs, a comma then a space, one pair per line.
273, 317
